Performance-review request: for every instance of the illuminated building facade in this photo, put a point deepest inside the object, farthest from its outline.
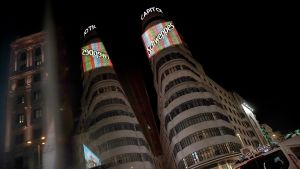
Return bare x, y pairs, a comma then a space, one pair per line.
271, 136
108, 125
196, 130
24, 114
247, 125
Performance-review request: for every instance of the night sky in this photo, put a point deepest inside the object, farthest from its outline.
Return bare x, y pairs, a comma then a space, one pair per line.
250, 48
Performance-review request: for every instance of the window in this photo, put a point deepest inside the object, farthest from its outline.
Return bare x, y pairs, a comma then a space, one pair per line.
239, 122
184, 92
38, 51
169, 57
19, 138
104, 90
125, 158
123, 141
20, 99
234, 120
195, 157
22, 61
108, 102
37, 113
202, 117
251, 133
22, 67
37, 77
188, 105
176, 68
98, 78
107, 115
37, 95
208, 153
201, 135
114, 127
178, 81
37, 62
23, 56
20, 119
21, 82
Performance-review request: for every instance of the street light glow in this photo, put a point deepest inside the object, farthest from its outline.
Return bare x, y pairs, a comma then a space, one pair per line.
43, 143
274, 135
43, 138
28, 142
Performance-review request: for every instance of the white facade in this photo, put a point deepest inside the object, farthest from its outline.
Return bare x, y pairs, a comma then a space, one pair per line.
195, 131
109, 126
202, 124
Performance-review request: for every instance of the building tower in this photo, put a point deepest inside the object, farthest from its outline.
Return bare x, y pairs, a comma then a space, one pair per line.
109, 127
24, 134
195, 130
250, 121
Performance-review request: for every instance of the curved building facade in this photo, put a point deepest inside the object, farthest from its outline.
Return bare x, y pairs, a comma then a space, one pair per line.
195, 130
110, 127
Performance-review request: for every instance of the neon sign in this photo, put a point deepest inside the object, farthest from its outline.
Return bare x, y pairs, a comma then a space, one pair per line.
90, 28
149, 10
94, 55
160, 36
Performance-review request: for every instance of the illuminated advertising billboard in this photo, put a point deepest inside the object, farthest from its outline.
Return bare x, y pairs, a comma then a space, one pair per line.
160, 36
94, 56
91, 160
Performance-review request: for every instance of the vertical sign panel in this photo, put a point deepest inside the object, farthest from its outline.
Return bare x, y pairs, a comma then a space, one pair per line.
160, 36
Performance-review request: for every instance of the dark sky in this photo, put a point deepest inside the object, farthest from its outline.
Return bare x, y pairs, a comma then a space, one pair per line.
250, 48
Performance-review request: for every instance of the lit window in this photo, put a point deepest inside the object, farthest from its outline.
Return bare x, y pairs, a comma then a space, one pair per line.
20, 99
38, 62
21, 119
195, 157
185, 163
23, 56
